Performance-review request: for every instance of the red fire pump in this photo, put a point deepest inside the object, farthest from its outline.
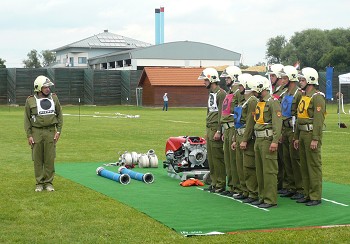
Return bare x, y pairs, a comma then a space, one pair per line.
186, 156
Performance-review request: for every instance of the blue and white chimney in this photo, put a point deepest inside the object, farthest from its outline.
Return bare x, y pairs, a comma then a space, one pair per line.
159, 25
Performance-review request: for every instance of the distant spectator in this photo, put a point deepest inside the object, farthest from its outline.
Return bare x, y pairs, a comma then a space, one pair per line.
165, 99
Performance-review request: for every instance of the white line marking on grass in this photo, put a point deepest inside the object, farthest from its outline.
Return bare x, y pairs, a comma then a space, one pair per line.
231, 198
336, 132
125, 116
342, 204
179, 121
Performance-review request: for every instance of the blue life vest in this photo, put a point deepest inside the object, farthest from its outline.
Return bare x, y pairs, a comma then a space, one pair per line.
286, 105
237, 116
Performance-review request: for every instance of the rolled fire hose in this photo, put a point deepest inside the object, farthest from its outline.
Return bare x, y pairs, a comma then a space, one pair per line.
121, 178
147, 177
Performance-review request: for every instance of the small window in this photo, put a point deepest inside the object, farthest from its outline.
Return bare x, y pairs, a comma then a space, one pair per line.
82, 60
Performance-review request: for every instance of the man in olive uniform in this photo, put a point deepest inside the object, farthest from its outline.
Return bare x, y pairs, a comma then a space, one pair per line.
267, 130
308, 136
230, 74
289, 104
277, 89
214, 143
244, 141
43, 122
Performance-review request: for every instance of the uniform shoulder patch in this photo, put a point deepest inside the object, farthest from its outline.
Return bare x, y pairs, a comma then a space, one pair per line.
279, 114
318, 108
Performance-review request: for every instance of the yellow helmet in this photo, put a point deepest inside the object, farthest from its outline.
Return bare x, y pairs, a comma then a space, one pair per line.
41, 81
211, 74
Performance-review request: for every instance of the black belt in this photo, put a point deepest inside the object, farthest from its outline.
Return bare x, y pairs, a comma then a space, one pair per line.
44, 127
287, 123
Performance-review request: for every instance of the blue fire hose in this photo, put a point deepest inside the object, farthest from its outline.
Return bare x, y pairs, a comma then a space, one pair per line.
147, 177
121, 178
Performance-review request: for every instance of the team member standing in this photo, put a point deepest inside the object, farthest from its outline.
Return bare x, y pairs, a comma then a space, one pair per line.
244, 143
308, 136
277, 89
230, 74
43, 122
289, 104
214, 143
267, 130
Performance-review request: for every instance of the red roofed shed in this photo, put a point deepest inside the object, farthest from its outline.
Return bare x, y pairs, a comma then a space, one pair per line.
182, 85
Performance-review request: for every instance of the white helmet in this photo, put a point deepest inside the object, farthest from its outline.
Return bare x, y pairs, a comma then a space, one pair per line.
275, 69
211, 74
310, 75
41, 81
291, 72
260, 83
232, 72
251, 82
244, 78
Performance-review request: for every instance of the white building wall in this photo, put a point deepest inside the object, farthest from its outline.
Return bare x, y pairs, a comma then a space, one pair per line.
65, 59
182, 63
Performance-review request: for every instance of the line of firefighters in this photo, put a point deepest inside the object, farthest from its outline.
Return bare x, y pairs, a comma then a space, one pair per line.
264, 136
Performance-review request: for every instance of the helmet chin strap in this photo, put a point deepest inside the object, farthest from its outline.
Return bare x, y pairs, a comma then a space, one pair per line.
304, 88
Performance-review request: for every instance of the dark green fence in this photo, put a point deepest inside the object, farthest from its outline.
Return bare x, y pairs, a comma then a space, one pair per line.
95, 87
90, 87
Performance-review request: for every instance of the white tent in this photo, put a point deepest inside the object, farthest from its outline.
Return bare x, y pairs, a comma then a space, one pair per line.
343, 79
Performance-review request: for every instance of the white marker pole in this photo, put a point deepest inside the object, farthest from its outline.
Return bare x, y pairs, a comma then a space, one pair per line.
79, 109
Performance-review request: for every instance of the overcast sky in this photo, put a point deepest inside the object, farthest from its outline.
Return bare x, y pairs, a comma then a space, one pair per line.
243, 26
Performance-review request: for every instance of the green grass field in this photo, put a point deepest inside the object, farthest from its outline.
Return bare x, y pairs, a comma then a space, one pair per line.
76, 214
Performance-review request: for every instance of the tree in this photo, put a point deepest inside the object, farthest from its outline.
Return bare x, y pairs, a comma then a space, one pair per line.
339, 58
33, 60
48, 57
289, 55
260, 64
274, 48
2, 63
313, 48
242, 66
310, 46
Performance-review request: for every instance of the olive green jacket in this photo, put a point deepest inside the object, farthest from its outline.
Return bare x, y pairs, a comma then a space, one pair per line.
272, 117
32, 119
247, 115
297, 93
229, 118
213, 118
316, 112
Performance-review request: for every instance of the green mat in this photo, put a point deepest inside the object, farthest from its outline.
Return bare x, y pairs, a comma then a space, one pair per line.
191, 211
